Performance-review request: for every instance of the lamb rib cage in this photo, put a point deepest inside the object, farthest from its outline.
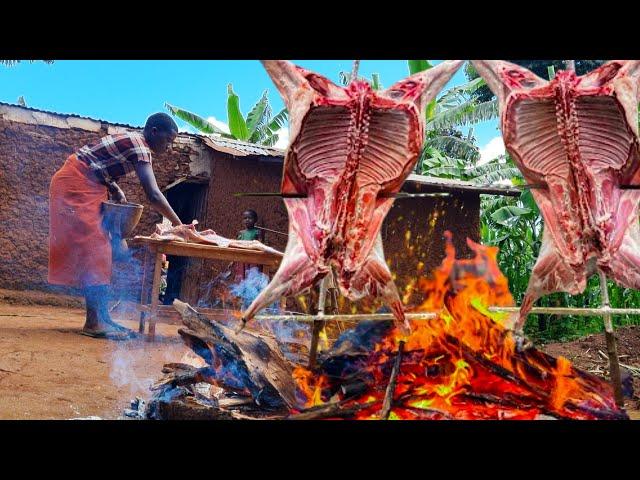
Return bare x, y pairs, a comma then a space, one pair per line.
350, 147
578, 136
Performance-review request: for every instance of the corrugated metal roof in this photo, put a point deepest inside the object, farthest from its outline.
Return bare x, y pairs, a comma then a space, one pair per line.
445, 184
72, 115
239, 148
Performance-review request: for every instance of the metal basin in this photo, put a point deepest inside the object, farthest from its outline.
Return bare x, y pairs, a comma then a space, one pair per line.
121, 218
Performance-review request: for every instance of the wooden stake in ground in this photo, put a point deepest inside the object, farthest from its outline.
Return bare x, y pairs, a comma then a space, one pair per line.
612, 349
391, 387
318, 325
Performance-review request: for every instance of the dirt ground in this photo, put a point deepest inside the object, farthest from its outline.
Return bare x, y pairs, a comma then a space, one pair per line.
590, 354
49, 371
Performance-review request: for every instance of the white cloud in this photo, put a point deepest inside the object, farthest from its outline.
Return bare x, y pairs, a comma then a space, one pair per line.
283, 138
218, 123
494, 148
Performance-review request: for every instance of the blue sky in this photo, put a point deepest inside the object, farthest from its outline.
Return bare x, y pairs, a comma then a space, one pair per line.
127, 91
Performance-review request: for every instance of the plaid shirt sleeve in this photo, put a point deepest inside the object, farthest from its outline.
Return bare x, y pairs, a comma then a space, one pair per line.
138, 152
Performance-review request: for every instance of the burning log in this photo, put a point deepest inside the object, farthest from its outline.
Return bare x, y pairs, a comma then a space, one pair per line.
331, 410
391, 388
242, 362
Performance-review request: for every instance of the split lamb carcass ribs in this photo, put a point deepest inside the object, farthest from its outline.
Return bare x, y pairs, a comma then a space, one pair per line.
350, 147
576, 136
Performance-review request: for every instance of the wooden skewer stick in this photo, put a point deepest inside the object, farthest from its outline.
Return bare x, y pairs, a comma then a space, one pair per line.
302, 195
584, 312
318, 325
272, 231
612, 350
354, 71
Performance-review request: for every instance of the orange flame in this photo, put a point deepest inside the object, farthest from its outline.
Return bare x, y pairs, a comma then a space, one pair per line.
463, 364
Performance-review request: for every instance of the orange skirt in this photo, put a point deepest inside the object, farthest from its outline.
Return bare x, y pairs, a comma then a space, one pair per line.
79, 248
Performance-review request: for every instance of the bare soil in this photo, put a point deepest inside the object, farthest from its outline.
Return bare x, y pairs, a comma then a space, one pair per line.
590, 354
48, 370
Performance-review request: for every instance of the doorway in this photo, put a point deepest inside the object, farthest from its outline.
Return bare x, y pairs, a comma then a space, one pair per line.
188, 200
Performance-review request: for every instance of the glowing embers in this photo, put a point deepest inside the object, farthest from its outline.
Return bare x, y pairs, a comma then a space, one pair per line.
461, 365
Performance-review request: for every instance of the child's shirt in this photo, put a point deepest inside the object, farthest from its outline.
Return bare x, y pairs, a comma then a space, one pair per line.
249, 234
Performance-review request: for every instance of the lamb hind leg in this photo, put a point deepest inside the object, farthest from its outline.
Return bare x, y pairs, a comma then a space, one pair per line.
375, 278
550, 274
297, 272
624, 266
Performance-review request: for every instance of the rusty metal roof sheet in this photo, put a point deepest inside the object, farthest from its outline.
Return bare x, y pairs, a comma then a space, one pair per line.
238, 148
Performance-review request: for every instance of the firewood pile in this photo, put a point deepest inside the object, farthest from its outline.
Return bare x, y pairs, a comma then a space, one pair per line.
245, 376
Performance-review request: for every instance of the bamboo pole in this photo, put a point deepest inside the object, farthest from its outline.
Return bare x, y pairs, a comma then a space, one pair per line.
584, 312
345, 317
318, 325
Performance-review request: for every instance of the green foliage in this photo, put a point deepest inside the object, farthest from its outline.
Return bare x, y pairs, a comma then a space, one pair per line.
259, 126
515, 226
202, 124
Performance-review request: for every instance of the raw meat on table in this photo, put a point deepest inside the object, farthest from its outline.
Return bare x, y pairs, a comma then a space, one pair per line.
349, 147
188, 233
577, 138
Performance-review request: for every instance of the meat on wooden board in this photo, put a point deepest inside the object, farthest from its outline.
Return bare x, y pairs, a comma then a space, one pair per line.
188, 233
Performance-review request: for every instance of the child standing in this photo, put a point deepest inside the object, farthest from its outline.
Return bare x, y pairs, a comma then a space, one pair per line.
249, 220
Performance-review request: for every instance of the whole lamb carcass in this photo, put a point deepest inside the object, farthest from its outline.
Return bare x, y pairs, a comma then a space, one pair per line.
351, 148
575, 137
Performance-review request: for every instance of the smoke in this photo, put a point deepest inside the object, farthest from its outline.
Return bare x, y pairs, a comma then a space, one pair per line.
135, 364
249, 288
127, 276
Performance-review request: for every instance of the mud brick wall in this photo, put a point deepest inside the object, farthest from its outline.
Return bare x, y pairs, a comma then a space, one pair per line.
30, 153
413, 233
29, 156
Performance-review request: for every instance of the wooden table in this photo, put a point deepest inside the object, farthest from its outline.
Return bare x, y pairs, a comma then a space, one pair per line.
154, 249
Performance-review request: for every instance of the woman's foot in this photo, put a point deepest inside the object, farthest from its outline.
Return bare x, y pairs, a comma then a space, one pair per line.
111, 324
105, 331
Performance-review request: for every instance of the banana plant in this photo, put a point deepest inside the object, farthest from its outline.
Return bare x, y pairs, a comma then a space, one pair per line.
447, 153
259, 126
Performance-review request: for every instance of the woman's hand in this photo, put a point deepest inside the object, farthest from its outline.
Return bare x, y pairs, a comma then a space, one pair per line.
154, 195
116, 193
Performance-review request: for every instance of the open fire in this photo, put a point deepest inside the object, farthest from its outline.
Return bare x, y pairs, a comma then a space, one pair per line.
462, 365
466, 363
